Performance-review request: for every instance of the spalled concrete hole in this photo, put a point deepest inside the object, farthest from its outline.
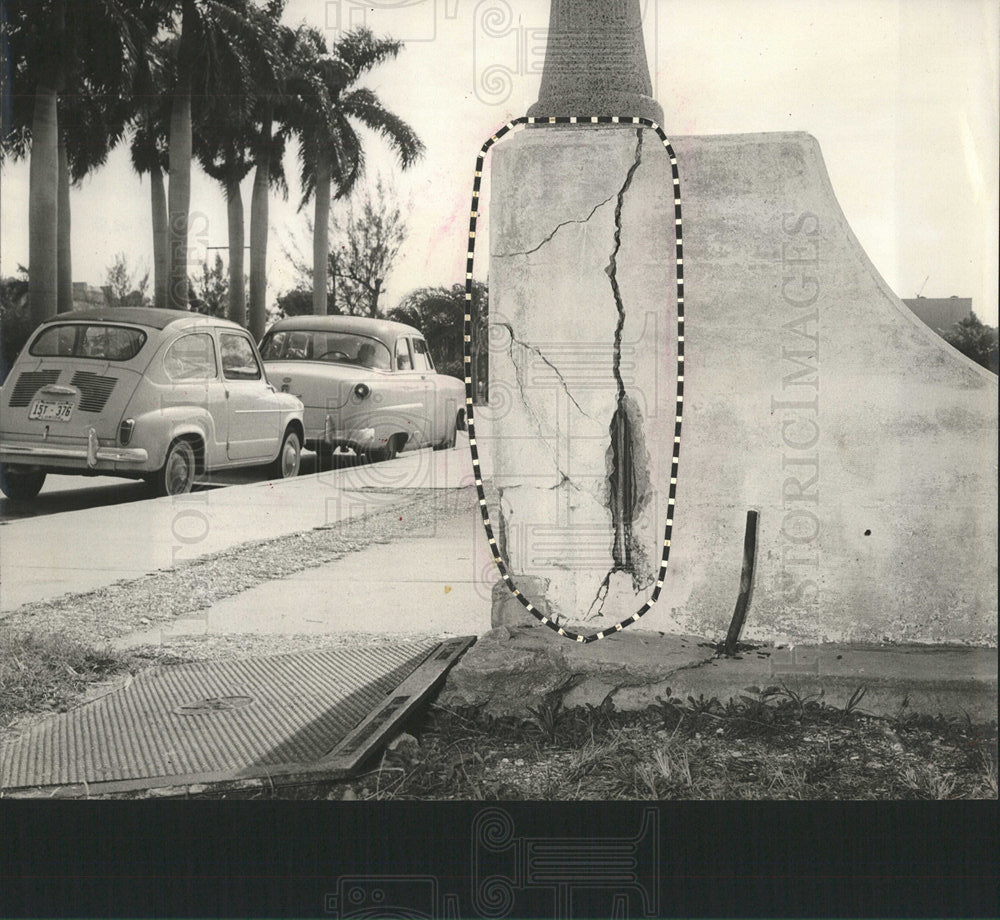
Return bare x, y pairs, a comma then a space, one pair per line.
627, 493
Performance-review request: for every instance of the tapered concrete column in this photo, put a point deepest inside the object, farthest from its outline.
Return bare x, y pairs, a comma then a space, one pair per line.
595, 61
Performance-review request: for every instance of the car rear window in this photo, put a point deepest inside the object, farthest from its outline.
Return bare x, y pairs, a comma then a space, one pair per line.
100, 341
320, 345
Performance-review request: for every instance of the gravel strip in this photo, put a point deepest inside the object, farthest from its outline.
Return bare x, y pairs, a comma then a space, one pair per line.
130, 605
229, 647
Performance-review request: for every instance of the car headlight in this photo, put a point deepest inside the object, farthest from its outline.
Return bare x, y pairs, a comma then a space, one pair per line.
362, 390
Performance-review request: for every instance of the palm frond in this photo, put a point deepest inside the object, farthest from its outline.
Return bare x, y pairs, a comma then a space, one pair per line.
366, 107
363, 50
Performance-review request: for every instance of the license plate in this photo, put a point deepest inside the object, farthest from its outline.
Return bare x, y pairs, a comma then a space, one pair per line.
45, 411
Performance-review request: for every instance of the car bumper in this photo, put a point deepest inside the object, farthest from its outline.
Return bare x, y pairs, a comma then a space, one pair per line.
91, 456
358, 439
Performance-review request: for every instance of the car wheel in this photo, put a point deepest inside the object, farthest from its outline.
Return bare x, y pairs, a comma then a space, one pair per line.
286, 464
176, 476
20, 485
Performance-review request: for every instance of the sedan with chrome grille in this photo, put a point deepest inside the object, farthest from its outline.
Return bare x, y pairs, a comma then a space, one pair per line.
160, 395
367, 384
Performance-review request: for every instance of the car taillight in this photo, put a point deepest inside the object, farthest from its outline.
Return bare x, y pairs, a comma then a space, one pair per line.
362, 390
125, 430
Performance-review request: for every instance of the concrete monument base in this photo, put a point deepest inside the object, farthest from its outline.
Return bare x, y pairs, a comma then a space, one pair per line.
812, 394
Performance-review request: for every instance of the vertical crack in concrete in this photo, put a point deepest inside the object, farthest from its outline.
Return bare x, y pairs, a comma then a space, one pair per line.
628, 462
516, 341
558, 227
612, 268
501, 528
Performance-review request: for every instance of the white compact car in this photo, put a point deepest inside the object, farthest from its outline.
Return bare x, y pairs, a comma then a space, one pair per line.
367, 384
161, 395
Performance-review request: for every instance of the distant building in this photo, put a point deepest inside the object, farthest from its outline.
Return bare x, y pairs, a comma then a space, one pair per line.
87, 296
940, 313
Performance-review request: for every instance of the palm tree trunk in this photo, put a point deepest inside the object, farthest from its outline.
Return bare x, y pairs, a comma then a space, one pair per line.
179, 190
321, 233
258, 232
64, 270
237, 292
43, 207
161, 264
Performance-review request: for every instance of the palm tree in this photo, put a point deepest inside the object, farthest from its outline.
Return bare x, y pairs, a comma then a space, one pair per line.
148, 148
37, 73
322, 116
268, 152
90, 126
89, 45
221, 43
223, 142
230, 141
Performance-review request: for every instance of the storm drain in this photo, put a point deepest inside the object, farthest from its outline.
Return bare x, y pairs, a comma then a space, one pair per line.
317, 713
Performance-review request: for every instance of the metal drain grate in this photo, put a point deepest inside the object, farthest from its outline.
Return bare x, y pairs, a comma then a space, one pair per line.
215, 722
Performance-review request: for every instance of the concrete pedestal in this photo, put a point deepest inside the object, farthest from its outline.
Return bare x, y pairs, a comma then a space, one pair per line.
812, 394
582, 357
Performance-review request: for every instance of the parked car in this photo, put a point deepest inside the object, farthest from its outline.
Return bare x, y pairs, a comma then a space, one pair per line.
161, 395
367, 384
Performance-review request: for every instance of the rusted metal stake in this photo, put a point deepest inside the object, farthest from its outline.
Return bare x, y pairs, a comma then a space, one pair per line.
746, 583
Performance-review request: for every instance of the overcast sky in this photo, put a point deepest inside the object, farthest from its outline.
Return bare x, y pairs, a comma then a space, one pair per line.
903, 97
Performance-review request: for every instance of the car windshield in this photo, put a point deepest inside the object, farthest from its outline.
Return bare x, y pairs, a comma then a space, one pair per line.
102, 341
322, 345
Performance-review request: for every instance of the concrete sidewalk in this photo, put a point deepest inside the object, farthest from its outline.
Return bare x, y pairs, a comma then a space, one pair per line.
44, 557
437, 582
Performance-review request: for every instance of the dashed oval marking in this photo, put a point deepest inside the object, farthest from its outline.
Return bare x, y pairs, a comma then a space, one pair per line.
470, 418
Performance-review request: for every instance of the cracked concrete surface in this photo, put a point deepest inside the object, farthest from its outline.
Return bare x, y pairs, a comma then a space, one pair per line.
513, 668
514, 340
627, 465
580, 334
770, 260
558, 227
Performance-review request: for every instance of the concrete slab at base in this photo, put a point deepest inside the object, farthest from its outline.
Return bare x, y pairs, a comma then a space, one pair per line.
512, 669
898, 679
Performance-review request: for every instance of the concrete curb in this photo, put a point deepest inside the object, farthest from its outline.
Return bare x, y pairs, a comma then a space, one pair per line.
513, 668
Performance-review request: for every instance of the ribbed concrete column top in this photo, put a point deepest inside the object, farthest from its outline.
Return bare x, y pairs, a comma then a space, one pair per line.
595, 61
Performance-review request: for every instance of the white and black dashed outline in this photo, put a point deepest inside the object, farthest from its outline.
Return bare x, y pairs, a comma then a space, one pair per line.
679, 242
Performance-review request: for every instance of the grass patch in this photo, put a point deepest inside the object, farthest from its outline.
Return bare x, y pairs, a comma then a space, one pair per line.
769, 743
44, 673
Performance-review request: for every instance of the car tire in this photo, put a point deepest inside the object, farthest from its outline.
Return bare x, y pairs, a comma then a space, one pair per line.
176, 476
20, 485
286, 465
